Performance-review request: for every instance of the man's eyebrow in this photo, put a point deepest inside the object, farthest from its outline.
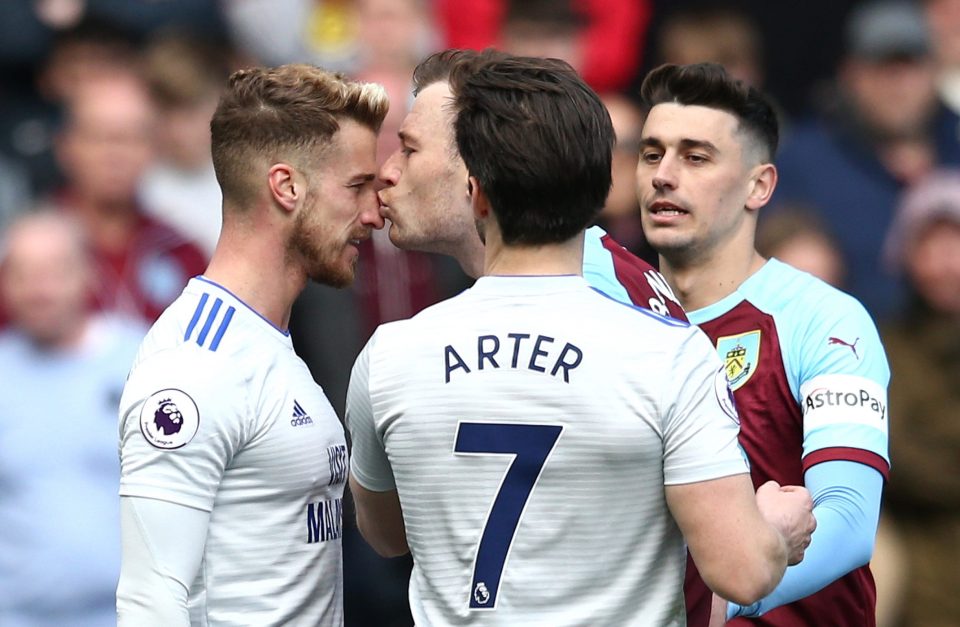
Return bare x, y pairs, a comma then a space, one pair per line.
650, 142
685, 144
406, 137
362, 178
702, 144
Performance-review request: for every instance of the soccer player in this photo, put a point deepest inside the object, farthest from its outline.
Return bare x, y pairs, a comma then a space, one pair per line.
233, 463
539, 447
804, 360
424, 199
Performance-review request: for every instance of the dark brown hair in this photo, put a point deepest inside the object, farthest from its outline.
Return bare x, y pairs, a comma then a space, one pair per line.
709, 85
538, 140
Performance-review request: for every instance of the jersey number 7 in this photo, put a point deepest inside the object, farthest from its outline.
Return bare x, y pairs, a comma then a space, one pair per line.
530, 445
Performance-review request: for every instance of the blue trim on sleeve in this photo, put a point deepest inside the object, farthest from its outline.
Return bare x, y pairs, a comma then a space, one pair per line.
847, 436
846, 498
667, 320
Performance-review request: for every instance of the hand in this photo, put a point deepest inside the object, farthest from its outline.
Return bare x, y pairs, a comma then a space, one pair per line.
790, 510
718, 612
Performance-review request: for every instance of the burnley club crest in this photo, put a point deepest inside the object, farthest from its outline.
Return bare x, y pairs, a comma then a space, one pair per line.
740, 355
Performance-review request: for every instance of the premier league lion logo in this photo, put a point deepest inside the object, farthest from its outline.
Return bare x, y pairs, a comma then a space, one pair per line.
167, 417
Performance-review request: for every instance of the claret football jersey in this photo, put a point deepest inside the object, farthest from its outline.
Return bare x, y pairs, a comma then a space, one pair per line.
618, 273
809, 376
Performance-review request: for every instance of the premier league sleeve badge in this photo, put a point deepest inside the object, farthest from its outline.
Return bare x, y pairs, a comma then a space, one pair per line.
169, 419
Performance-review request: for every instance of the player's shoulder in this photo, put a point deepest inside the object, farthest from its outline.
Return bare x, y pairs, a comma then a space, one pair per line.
183, 364
794, 296
633, 314
210, 317
824, 327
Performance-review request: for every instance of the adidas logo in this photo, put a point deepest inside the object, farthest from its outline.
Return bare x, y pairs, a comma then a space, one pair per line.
300, 417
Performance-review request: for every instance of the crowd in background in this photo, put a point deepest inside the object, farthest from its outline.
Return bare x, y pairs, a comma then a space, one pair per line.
108, 204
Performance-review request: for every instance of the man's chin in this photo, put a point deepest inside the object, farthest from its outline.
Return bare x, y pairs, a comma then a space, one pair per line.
334, 276
397, 237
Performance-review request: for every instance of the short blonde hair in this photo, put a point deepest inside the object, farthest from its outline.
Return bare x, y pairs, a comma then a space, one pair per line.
274, 113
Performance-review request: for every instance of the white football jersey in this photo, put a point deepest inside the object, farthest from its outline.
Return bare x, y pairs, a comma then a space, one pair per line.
529, 426
220, 414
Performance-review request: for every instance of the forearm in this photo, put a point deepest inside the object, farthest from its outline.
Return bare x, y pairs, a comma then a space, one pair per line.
162, 544
847, 508
738, 554
380, 520
765, 564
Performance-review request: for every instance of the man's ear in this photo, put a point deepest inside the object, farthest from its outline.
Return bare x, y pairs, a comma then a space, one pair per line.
478, 199
286, 188
762, 183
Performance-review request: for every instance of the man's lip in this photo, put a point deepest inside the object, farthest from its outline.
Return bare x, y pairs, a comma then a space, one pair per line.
356, 240
660, 205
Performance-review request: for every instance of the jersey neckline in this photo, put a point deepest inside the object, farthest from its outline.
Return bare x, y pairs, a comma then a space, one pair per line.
284, 332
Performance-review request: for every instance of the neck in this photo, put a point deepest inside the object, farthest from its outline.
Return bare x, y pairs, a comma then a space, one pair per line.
470, 255
251, 260
702, 281
542, 260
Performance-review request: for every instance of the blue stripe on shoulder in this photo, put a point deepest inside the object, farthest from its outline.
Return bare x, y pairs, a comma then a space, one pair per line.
196, 316
223, 328
667, 320
209, 323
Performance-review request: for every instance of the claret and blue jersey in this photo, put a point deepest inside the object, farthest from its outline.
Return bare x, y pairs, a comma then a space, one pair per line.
809, 375
621, 275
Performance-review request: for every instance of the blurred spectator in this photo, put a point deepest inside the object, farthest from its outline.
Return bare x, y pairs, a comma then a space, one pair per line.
66, 32
62, 370
395, 35
884, 129
621, 214
923, 345
323, 32
798, 237
716, 33
545, 28
943, 19
31, 112
186, 75
606, 49
15, 194
105, 146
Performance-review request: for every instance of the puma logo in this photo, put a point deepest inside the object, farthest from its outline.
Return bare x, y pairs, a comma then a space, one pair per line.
853, 347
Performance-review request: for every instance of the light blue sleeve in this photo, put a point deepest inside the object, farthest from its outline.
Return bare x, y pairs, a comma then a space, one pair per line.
846, 498
835, 365
368, 458
598, 267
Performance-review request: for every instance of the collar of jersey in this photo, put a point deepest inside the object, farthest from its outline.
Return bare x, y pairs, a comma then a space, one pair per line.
530, 284
753, 283
284, 332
